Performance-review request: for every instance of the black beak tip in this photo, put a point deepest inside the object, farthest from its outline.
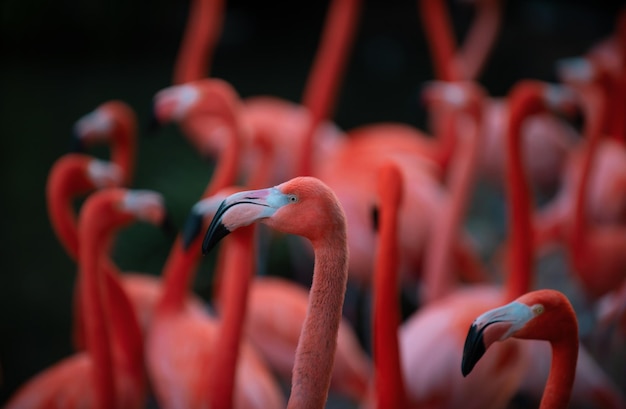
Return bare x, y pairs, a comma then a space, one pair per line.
473, 350
216, 232
191, 229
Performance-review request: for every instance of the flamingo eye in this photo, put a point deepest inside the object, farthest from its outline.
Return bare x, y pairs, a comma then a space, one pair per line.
537, 309
292, 198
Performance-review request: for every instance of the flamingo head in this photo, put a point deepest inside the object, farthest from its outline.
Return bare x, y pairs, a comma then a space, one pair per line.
104, 174
303, 206
461, 95
148, 206
173, 104
94, 127
535, 315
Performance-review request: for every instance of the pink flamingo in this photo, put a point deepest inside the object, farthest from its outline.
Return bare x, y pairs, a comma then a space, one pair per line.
113, 123
605, 201
303, 206
181, 376
110, 372
543, 315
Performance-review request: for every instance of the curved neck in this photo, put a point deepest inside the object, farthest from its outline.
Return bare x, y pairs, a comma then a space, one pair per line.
97, 331
595, 116
65, 181
557, 392
388, 378
330, 62
239, 258
438, 280
526, 99
440, 38
204, 24
318, 339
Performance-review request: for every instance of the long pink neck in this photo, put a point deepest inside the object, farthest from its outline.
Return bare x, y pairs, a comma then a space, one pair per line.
204, 24
97, 331
595, 117
437, 271
65, 181
562, 372
525, 100
236, 281
181, 263
318, 339
329, 65
388, 379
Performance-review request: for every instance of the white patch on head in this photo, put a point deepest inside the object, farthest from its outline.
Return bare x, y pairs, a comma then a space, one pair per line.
575, 69
277, 199
145, 204
97, 123
181, 96
557, 96
104, 174
208, 206
454, 95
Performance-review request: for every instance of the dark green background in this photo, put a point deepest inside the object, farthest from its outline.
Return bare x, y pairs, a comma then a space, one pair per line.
62, 59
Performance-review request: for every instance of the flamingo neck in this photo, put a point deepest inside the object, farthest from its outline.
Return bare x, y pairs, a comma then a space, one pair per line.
239, 258
64, 183
437, 277
388, 381
97, 332
204, 24
328, 68
318, 340
558, 388
525, 100
439, 33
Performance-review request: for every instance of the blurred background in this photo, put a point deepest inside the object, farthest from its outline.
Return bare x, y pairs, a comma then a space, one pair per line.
61, 59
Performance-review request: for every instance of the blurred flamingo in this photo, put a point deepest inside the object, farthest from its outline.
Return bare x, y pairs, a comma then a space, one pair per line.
110, 372
303, 206
181, 377
541, 315
606, 200
113, 123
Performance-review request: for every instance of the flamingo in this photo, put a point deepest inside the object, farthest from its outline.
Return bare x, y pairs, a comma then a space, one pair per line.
180, 376
115, 123
110, 372
597, 253
605, 201
541, 315
304, 206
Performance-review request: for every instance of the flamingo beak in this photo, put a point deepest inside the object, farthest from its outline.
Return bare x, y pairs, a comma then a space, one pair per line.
242, 209
473, 349
167, 225
191, 229
494, 325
